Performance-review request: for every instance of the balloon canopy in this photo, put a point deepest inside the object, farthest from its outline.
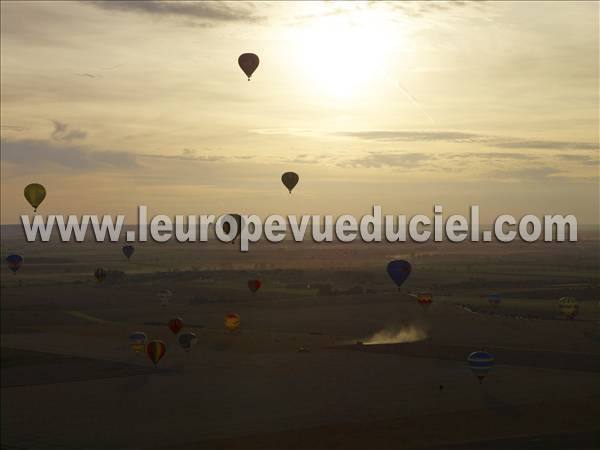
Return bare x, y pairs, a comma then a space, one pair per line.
399, 270
480, 363
14, 262
155, 350
35, 194
290, 180
128, 250
248, 63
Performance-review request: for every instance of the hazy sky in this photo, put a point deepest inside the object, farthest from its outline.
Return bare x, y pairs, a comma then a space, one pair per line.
115, 104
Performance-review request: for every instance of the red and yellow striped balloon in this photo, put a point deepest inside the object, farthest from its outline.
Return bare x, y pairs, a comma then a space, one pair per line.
232, 321
155, 350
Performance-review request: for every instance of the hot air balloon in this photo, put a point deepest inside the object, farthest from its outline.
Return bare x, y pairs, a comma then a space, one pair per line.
248, 62
175, 325
187, 340
232, 321
164, 296
100, 274
568, 307
35, 194
137, 341
480, 363
290, 180
398, 270
128, 250
254, 285
14, 262
425, 299
155, 350
240, 224
494, 298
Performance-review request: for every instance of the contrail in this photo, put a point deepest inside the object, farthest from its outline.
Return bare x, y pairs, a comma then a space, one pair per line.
415, 102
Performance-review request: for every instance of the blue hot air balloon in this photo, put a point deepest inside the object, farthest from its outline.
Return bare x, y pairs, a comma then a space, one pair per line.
494, 298
481, 363
14, 262
128, 250
398, 270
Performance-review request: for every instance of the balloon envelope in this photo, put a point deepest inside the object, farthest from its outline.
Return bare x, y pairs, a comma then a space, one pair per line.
137, 341
155, 350
14, 262
187, 340
175, 325
128, 250
164, 296
254, 285
248, 63
227, 226
425, 299
398, 270
232, 321
494, 298
290, 180
568, 307
100, 274
35, 194
480, 363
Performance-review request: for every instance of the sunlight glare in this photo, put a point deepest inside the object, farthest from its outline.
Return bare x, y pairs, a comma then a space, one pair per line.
342, 53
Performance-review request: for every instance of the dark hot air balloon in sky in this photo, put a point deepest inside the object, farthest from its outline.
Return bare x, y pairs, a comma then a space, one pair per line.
187, 340
290, 180
398, 270
248, 62
100, 274
128, 250
227, 226
35, 194
14, 262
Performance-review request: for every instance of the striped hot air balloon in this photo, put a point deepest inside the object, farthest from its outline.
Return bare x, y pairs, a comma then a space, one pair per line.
155, 350
232, 321
425, 299
137, 341
480, 363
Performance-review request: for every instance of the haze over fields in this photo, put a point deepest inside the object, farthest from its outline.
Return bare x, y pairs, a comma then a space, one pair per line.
299, 345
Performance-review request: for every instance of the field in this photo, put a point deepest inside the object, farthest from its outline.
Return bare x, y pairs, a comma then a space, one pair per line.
294, 375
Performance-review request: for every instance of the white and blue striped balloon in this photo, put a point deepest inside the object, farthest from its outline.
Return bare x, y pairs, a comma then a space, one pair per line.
480, 363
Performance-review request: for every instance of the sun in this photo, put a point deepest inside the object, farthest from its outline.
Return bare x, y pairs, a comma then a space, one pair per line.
341, 54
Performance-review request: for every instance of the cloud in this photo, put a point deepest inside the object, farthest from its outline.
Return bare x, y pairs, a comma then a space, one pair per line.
37, 153
207, 12
412, 136
466, 137
186, 155
380, 159
61, 132
87, 75
492, 155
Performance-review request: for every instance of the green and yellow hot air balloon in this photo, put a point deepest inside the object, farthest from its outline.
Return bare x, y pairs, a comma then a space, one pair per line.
35, 194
